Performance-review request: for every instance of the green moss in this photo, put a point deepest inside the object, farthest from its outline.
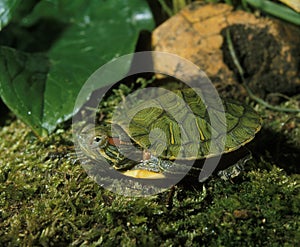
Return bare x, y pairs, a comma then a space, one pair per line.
46, 199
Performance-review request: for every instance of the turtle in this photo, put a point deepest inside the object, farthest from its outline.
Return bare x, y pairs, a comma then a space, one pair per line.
156, 138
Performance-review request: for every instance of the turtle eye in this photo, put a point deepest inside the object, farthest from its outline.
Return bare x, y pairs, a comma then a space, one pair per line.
98, 141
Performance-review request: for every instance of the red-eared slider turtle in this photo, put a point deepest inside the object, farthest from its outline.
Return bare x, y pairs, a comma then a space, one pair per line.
161, 134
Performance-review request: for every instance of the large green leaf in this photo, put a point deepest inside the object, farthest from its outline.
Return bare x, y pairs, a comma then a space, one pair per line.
93, 32
13, 10
7, 10
22, 86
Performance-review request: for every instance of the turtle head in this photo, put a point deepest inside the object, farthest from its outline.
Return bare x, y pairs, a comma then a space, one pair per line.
97, 142
94, 140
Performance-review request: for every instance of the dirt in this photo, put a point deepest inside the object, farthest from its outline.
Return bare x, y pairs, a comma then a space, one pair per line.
268, 68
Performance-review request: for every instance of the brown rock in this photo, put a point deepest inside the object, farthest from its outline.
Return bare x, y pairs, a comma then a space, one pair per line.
268, 50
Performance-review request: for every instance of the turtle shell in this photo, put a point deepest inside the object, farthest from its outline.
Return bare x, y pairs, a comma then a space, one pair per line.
184, 126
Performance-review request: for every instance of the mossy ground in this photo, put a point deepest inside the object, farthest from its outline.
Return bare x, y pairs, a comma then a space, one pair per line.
48, 200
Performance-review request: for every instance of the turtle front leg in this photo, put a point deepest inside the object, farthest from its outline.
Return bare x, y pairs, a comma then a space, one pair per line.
152, 167
163, 166
146, 168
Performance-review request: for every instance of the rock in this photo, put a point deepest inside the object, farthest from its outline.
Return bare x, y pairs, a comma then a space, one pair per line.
267, 49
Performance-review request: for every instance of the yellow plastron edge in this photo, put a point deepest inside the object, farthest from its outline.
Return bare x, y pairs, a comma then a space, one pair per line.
144, 174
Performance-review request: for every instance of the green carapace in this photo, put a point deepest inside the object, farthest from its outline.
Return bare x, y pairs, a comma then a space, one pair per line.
157, 136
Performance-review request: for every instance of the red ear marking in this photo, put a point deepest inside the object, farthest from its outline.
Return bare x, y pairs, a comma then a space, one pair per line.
117, 142
114, 141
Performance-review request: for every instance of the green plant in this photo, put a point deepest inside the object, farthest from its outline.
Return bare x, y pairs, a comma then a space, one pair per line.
50, 50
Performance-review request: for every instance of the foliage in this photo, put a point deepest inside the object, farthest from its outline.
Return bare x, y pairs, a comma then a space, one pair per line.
277, 10
55, 48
